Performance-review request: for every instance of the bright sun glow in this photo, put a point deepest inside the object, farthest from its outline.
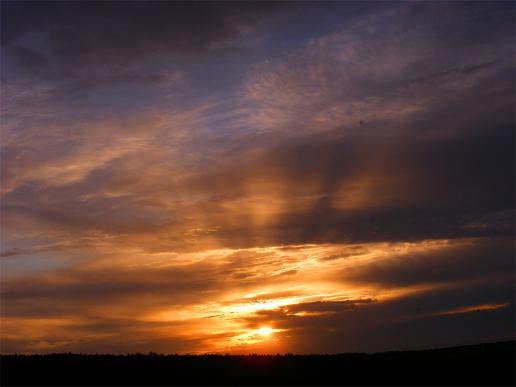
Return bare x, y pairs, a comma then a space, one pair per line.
265, 331
255, 336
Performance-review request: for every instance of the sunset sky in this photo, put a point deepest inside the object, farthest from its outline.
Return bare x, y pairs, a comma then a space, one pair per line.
260, 177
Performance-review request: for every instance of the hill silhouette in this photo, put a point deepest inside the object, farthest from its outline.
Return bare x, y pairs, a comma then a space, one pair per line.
483, 364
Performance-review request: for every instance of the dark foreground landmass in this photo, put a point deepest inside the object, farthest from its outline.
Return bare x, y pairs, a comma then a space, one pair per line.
484, 364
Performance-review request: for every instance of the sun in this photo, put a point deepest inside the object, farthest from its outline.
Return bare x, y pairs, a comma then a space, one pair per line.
265, 331
255, 336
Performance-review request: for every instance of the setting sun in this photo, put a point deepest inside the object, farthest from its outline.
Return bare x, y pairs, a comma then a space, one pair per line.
265, 331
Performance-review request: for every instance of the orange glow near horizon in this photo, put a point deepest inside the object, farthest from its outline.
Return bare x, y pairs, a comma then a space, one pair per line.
255, 336
238, 317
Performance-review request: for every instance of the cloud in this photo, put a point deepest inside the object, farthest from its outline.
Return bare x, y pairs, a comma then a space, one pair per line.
356, 189
325, 184
463, 261
393, 323
123, 34
338, 81
170, 296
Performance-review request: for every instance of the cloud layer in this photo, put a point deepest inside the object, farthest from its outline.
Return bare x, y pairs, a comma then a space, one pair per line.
287, 177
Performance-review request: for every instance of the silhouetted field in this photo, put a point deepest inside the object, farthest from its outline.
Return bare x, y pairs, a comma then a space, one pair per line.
484, 364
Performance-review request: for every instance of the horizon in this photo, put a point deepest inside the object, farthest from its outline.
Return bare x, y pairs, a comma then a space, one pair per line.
256, 177
224, 354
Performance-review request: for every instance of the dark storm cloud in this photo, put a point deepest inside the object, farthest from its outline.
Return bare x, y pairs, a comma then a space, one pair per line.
73, 36
446, 183
421, 186
490, 258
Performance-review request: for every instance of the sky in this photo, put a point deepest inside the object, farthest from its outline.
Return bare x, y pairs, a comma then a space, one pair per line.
255, 177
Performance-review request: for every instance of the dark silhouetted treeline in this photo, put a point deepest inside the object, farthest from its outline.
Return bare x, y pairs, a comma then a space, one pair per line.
484, 364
